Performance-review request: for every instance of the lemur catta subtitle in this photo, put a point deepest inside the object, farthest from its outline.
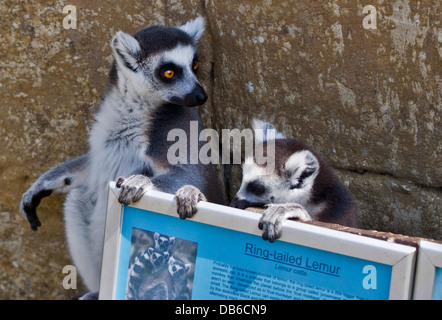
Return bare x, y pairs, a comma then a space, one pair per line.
302, 186
152, 90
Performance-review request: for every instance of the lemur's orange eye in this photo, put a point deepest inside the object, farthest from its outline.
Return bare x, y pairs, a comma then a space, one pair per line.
169, 74
195, 65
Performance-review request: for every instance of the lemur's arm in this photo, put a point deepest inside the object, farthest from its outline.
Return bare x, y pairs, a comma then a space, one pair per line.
62, 178
274, 216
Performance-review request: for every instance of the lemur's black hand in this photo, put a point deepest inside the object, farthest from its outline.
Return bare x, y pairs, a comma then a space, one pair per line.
30, 208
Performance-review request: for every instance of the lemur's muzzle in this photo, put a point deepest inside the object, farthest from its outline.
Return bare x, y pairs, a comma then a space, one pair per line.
195, 98
243, 203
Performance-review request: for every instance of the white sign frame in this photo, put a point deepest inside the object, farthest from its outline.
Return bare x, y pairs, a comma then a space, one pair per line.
428, 261
400, 257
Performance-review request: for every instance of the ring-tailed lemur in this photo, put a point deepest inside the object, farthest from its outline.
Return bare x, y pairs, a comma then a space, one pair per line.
157, 275
163, 242
168, 283
150, 261
178, 271
152, 88
301, 187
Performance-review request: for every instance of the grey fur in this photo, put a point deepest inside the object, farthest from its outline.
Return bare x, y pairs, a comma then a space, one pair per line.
63, 178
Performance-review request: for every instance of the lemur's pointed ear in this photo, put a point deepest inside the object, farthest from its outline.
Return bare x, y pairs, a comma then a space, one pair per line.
194, 28
265, 131
126, 49
301, 166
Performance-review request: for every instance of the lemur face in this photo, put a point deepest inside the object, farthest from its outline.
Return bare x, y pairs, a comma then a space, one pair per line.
175, 76
292, 180
157, 258
178, 269
161, 63
163, 242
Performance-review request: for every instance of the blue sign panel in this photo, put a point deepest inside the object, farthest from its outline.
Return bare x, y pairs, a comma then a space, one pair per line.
219, 263
437, 290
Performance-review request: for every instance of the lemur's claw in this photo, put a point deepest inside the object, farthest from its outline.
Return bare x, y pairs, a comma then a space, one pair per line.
133, 188
187, 199
29, 205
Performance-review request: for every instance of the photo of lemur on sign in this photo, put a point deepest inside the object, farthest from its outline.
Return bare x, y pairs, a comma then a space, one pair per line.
161, 267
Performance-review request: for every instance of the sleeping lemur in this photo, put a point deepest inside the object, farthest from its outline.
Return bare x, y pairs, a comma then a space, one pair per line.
152, 90
301, 187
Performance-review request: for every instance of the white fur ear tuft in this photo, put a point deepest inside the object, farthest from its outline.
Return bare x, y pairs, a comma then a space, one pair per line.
195, 28
265, 131
126, 49
302, 165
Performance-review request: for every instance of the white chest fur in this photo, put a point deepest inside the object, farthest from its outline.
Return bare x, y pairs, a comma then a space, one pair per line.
118, 142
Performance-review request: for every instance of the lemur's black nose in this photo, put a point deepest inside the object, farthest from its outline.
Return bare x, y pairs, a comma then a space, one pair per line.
240, 203
201, 98
198, 95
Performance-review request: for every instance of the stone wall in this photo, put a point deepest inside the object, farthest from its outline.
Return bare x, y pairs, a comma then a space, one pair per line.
368, 100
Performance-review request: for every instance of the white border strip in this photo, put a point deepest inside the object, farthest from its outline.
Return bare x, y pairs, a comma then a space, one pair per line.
429, 258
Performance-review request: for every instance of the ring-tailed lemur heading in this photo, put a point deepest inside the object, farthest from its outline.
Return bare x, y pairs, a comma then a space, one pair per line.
302, 187
152, 88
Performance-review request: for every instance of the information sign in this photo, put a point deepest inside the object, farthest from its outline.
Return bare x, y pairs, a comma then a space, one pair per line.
223, 256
